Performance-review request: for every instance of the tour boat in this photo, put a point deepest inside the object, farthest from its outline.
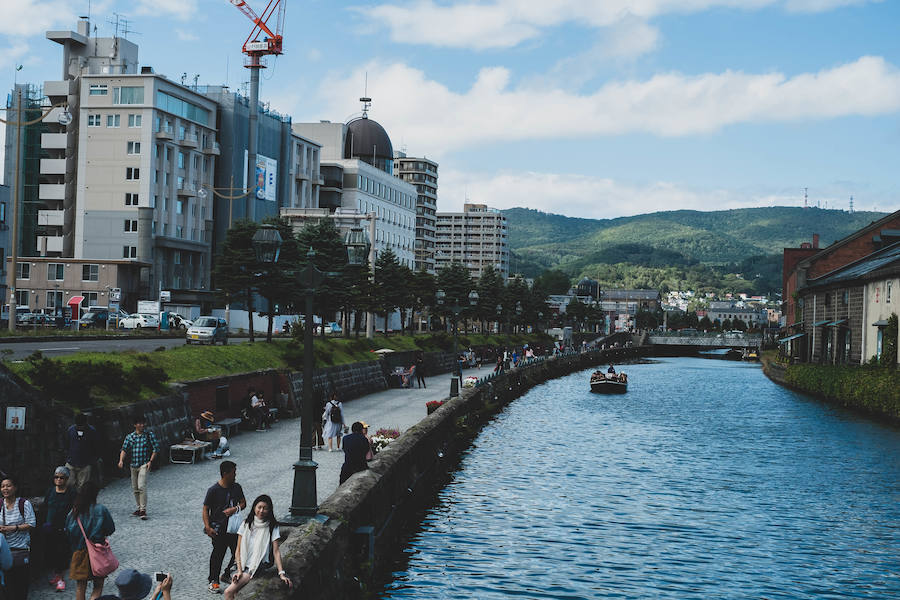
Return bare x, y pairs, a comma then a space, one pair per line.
609, 383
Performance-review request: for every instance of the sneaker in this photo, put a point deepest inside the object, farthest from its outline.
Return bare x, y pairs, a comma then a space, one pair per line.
136, 513
214, 588
143, 515
225, 578
61, 585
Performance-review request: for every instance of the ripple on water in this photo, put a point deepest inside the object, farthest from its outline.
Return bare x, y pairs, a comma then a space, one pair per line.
705, 480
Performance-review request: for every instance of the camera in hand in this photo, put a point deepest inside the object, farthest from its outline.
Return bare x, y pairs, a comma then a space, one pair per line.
160, 576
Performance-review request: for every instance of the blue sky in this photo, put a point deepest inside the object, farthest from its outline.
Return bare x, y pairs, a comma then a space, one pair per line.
590, 108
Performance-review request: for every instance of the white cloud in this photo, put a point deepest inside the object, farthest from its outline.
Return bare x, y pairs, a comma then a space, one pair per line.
186, 36
603, 198
505, 23
434, 119
31, 17
178, 9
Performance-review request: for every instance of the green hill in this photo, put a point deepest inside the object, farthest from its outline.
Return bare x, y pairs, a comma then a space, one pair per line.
737, 250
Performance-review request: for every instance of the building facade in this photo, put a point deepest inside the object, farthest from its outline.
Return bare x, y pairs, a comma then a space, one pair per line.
423, 174
476, 237
123, 158
357, 179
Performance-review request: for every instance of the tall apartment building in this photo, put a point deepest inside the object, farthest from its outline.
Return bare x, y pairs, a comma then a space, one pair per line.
4, 241
422, 173
476, 237
287, 164
119, 184
357, 169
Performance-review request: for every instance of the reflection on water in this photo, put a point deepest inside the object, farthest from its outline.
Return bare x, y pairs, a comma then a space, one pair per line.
705, 480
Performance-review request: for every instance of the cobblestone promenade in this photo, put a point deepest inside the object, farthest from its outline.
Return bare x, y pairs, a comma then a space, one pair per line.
173, 540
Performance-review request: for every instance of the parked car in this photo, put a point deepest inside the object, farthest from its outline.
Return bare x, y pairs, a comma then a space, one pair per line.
176, 321
207, 330
139, 321
93, 320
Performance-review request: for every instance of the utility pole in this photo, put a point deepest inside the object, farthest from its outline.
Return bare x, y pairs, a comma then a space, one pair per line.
14, 216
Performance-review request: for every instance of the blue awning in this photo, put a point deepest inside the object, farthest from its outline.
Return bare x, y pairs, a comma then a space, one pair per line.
791, 337
881, 323
837, 323
820, 323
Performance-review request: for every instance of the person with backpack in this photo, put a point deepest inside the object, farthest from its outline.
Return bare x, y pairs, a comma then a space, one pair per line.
18, 520
333, 417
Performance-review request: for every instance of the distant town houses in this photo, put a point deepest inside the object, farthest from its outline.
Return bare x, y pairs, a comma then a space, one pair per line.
842, 299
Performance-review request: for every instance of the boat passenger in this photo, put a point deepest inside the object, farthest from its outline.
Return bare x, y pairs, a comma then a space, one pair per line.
611, 369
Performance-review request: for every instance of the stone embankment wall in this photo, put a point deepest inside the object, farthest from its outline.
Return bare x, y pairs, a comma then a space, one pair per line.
359, 526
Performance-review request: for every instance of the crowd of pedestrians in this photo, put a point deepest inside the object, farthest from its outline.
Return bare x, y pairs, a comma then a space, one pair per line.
74, 519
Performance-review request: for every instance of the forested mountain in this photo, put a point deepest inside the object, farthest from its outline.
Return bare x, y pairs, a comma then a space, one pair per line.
731, 250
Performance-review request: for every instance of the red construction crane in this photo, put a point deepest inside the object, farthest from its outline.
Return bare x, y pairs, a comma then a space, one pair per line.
253, 46
255, 49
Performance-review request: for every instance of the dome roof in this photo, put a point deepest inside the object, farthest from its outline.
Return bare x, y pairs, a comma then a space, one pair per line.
369, 142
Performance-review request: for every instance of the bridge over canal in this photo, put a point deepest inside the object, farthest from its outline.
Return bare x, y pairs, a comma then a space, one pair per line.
703, 341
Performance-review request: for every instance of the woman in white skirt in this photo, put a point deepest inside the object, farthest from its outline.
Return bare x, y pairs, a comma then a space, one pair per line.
333, 417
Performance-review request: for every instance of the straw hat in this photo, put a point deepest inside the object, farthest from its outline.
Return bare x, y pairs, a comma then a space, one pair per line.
207, 414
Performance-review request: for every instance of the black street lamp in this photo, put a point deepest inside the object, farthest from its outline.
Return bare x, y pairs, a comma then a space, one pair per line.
304, 503
455, 308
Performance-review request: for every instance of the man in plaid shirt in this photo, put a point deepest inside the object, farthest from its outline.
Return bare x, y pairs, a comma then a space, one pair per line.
142, 448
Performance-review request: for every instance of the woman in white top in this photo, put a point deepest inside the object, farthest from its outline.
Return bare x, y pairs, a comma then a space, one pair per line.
257, 547
17, 518
333, 417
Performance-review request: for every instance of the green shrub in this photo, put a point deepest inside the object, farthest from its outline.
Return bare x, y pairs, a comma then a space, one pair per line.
873, 389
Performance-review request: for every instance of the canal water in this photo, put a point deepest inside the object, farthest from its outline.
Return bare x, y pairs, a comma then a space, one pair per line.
705, 480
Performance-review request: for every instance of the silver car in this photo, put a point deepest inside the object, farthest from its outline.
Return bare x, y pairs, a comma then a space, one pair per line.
207, 330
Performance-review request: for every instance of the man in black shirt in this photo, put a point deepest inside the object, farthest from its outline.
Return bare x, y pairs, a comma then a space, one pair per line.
223, 499
356, 446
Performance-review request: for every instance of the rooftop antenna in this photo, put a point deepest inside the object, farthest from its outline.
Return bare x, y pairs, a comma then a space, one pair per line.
851, 204
183, 78
367, 102
196, 79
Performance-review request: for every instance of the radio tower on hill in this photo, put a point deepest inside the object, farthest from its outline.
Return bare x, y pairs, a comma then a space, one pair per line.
851, 204
805, 198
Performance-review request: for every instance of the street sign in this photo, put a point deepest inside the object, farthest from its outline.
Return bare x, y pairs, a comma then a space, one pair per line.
148, 307
165, 296
115, 295
15, 418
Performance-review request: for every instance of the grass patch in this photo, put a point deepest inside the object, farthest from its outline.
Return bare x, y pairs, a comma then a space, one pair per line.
99, 378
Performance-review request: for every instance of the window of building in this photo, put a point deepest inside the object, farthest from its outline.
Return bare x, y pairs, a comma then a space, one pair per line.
93, 121
131, 199
22, 297
54, 299
90, 272
90, 299
179, 231
128, 95
134, 147
196, 161
131, 225
134, 120
2, 212
98, 89
23, 270
132, 173
177, 257
55, 272
179, 205
129, 251
887, 291
165, 229
179, 182
181, 159
113, 120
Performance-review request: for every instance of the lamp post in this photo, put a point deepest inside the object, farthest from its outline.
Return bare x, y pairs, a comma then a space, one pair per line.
64, 119
455, 309
231, 196
304, 503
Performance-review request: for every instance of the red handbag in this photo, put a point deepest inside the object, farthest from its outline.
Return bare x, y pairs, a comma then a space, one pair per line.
103, 561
